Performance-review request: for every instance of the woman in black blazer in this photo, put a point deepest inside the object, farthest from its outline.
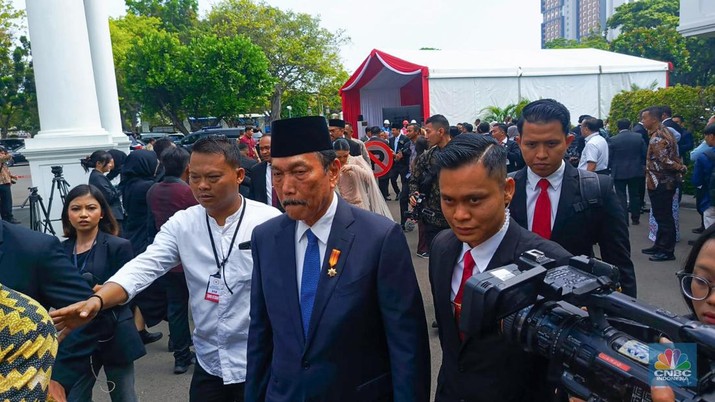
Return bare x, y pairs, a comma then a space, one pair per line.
98, 253
101, 162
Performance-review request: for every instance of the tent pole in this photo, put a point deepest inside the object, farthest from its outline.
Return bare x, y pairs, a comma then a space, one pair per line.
600, 71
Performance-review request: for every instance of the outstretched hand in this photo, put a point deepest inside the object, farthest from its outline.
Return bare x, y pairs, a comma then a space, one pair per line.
75, 315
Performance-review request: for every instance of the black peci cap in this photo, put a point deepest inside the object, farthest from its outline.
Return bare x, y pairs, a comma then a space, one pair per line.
300, 135
336, 123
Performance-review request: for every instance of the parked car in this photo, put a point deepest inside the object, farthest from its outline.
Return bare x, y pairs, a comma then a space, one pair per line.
135, 144
12, 143
188, 141
174, 137
17, 157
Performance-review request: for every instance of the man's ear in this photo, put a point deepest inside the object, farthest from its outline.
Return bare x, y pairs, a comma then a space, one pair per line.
240, 175
509, 190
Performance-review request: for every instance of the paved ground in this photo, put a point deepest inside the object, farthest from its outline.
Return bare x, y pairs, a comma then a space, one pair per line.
657, 285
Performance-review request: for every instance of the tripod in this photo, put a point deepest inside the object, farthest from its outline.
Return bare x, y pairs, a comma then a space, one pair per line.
38, 212
59, 183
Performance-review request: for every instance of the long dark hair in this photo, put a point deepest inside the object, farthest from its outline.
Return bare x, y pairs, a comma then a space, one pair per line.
91, 161
107, 224
689, 266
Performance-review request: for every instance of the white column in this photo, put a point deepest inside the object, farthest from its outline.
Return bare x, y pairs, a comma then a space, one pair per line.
66, 95
100, 44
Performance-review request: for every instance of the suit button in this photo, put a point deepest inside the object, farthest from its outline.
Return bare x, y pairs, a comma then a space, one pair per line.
306, 366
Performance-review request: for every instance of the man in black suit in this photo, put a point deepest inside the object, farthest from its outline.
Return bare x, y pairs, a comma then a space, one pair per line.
514, 161
337, 130
480, 368
35, 264
549, 200
246, 163
627, 156
262, 178
401, 148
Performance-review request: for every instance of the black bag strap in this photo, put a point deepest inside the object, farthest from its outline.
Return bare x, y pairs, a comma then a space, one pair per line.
590, 187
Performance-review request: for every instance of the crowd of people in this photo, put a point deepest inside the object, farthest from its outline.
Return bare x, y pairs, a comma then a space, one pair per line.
301, 286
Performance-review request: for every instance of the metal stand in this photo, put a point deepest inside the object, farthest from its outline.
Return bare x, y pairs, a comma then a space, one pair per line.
60, 184
39, 215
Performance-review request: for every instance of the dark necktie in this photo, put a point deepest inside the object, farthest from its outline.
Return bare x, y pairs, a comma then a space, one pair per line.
467, 273
541, 225
309, 281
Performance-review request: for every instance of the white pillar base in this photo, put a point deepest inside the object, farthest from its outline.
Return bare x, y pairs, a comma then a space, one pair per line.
60, 149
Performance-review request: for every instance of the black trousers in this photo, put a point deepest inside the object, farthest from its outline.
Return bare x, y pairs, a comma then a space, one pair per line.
6, 201
628, 190
661, 204
208, 388
383, 183
403, 194
177, 294
430, 233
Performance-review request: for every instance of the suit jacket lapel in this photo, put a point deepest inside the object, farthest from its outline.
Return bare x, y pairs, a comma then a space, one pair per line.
340, 239
517, 208
101, 250
285, 240
569, 188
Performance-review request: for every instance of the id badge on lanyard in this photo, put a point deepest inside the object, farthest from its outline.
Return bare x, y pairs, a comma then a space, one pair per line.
214, 288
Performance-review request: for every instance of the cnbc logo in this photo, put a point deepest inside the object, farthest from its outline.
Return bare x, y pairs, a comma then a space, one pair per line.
673, 363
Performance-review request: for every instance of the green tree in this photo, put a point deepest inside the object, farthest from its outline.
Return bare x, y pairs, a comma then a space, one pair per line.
175, 15
18, 103
210, 76
499, 114
225, 77
125, 32
594, 41
302, 55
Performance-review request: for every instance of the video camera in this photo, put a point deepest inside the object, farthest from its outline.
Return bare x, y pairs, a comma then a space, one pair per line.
56, 170
559, 312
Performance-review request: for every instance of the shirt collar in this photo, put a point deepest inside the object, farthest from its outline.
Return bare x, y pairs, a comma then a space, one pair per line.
484, 252
555, 179
504, 141
321, 228
590, 136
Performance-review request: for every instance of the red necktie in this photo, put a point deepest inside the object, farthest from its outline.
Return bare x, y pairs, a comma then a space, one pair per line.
542, 212
469, 266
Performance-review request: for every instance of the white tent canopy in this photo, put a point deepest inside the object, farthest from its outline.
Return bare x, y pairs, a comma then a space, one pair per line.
462, 83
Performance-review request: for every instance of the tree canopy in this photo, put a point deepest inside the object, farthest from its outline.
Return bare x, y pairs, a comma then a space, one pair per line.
303, 56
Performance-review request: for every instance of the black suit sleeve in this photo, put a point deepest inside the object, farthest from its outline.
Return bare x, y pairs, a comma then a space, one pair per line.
514, 155
613, 239
403, 316
105, 186
123, 253
60, 282
260, 337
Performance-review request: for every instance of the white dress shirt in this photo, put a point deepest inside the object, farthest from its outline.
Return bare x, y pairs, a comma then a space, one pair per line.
482, 255
269, 184
595, 150
321, 230
221, 329
532, 192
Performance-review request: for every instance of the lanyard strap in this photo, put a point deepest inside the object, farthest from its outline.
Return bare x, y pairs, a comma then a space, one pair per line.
222, 264
84, 264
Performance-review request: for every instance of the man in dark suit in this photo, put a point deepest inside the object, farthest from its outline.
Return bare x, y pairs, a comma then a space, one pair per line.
337, 314
627, 156
35, 264
400, 145
487, 367
337, 130
548, 199
246, 163
262, 178
514, 161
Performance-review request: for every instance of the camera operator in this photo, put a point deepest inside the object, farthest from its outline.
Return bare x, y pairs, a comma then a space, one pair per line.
424, 183
475, 193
